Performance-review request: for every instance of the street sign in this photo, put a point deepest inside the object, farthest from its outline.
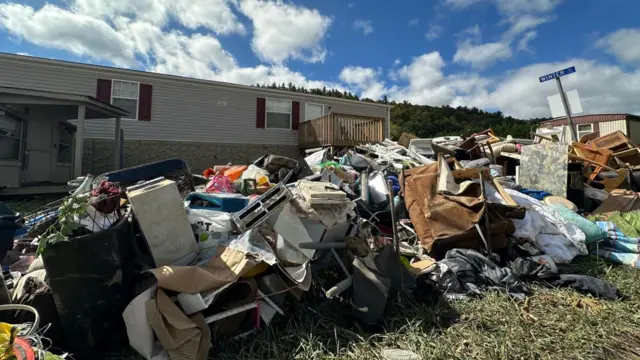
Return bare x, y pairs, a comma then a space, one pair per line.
558, 74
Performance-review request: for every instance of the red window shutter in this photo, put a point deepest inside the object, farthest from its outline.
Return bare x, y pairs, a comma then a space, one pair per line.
144, 102
295, 115
261, 113
103, 91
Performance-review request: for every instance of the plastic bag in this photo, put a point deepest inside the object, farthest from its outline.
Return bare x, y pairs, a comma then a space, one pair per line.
210, 227
235, 172
219, 184
253, 172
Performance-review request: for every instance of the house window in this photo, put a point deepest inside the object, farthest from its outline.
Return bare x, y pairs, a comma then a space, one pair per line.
10, 138
278, 114
584, 129
313, 111
124, 94
65, 144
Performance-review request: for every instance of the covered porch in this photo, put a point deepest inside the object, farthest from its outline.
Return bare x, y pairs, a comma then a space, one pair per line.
38, 144
340, 130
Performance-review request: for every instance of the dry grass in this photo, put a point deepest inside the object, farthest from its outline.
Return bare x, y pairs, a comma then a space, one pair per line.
550, 324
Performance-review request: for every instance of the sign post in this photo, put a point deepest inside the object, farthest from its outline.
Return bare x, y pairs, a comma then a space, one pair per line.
567, 110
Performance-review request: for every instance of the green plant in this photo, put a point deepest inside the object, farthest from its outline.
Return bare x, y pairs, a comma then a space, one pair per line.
72, 207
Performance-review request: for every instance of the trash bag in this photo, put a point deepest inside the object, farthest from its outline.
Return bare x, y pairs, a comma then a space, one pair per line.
283, 169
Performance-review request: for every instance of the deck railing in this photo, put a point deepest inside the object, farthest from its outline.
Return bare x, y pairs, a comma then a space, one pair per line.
336, 129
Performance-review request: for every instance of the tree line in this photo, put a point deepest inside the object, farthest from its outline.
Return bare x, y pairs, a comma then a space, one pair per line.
431, 121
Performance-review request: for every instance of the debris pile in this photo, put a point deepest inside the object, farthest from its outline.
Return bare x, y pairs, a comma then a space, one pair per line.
172, 263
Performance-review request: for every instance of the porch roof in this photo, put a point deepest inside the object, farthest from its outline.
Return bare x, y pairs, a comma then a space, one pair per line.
94, 108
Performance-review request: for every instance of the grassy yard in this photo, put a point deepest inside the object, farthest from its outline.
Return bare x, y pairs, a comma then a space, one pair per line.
550, 324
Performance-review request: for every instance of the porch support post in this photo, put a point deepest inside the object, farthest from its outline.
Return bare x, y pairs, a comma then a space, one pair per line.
77, 171
117, 144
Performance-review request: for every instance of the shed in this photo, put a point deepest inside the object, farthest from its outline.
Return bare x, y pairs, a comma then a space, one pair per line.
604, 123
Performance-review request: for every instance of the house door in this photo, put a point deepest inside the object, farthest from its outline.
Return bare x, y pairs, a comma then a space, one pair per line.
39, 149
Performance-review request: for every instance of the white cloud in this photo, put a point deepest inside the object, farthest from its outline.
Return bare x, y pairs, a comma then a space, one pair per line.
145, 40
482, 56
510, 7
283, 31
365, 80
514, 7
267, 75
414, 22
434, 32
364, 25
426, 82
56, 28
215, 15
522, 24
460, 4
519, 92
521, 95
624, 44
523, 44
472, 33
173, 52
115, 34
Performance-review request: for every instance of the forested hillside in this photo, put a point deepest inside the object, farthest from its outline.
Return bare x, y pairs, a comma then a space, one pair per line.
431, 121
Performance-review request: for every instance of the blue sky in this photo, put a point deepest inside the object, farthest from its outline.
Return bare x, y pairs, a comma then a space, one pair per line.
483, 53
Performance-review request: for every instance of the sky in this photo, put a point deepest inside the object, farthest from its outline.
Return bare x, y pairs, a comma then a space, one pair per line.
487, 54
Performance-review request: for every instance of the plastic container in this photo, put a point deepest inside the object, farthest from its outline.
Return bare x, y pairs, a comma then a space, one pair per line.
218, 202
92, 281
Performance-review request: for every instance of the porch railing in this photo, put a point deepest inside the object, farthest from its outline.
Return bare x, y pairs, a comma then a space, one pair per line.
336, 129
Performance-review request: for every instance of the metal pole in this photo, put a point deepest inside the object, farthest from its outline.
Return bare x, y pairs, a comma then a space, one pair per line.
567, 110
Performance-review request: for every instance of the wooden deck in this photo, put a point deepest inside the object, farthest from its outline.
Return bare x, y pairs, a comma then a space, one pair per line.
336, 129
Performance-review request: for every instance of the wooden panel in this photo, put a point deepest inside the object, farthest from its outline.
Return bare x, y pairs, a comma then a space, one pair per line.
337, 129
599, 155
616, 141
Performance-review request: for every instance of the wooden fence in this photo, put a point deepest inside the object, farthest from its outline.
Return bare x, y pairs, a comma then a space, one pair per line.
336, 129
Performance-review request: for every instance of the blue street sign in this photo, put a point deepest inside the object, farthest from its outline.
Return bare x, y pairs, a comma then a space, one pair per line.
558, 74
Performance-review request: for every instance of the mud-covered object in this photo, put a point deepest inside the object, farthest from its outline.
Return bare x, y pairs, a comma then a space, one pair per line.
466, 272
32, 290
530, 270
282, 168
93, 289
240, 293
377, 278
445, 221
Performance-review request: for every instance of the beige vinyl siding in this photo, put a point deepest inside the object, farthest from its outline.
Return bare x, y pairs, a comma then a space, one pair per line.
608, 127
182, 109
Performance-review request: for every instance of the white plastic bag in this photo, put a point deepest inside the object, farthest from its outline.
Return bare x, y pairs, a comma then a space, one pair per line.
211, 227
253, 172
